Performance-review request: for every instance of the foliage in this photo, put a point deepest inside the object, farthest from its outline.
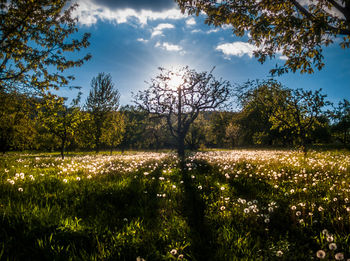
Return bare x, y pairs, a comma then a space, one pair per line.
17, 126
135, 128
294, 113
113, 129
59, 119
180, 96
34, 36
257, 100
102, 100
341, 115
295, 29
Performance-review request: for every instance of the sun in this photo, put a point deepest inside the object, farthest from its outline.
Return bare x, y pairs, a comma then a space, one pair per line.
175, 81
176, 77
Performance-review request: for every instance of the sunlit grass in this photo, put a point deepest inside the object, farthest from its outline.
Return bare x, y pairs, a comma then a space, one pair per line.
226, 205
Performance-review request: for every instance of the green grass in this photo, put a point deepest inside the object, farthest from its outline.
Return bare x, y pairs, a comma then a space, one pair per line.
226, 205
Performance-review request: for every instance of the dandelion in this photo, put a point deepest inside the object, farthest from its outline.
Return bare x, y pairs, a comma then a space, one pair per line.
89, 177
279, 253
173, 252
320, 208
246, 210
140, 259
145, 173
78, 178
293, 208
339, 256
267, 220
222, 208
20, 189
222, 188
65, 180
181, 256
200, 187
320, 254
332, 246
298, 213
330, 238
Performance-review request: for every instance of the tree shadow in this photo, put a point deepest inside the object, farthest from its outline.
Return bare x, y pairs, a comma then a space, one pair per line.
194, 208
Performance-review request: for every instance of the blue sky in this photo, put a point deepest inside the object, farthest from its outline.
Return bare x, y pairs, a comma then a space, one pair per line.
131, 39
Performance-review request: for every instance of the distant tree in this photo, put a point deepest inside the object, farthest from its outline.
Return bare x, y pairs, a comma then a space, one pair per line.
295, 113
257, 100
34, 35
218, 123
135, 122
113, 130
296, 29
341, 127
155, 134
232, 133
196, 135
300, 115
102, 100
60, 120
179, 96
17, 125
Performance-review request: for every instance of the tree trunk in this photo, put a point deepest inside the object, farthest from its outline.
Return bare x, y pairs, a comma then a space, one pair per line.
63, 142
181, 149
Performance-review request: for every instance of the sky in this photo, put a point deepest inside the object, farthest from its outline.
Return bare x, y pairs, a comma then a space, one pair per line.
130, 39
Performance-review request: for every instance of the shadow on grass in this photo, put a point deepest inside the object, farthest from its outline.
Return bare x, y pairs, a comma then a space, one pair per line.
102, 220
203, 246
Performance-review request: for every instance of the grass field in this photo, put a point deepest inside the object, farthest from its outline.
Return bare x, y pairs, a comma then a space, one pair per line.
225, 205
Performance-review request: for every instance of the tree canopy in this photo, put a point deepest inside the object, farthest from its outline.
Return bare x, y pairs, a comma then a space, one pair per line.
34, 37
179, 96
294, 113
103, 99
296, 29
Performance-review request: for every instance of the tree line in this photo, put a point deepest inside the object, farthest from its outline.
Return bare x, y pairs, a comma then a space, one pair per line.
187, 116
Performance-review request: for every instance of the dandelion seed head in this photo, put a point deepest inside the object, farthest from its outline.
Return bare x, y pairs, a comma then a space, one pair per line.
320, 254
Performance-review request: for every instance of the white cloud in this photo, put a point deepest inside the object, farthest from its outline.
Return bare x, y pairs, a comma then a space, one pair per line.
236, 49
158, 30
142, 40
242, 48
169, 47
89, 13
190, 22
215, 30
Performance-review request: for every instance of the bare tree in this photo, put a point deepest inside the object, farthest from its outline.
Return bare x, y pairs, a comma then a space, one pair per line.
179, 96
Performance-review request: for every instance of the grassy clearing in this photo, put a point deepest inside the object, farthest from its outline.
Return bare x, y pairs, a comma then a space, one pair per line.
226, 205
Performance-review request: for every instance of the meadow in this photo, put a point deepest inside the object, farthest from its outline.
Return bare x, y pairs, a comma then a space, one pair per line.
224, 205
